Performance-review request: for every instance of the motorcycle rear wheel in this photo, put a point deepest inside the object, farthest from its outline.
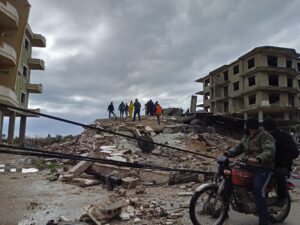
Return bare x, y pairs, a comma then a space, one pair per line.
283, 213
212, 212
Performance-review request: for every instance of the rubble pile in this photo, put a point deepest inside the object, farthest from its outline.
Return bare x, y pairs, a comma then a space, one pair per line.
134, 202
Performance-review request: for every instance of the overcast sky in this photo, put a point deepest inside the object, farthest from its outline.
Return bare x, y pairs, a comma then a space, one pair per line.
112, 50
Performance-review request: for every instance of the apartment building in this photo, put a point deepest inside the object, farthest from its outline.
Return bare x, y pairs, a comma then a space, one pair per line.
16, 63
263, 82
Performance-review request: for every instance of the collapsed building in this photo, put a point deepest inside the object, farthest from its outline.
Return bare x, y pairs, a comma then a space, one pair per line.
16, 63
263, 82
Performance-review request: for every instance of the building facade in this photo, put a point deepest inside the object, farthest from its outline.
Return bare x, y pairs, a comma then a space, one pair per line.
16, 63
263, 82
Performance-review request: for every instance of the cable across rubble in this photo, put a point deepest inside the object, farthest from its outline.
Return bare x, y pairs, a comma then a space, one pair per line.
103, 130
15, 150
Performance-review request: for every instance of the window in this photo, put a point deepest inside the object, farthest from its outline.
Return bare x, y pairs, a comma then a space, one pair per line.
236, 69
252, 99
251, 63
206, 82
26, 44
272, 61
226, 108
225, 73
290, 82
251, 81
225, 91
206, 96
23, 97
236, 86
207, 109
291, 100
298, 66
273, 80
25, 71
299, 83
288, 63
274, 99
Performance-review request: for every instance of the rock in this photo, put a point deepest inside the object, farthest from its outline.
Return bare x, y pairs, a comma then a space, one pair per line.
137, 220
156, 152
130, 182
140, 189
124, 216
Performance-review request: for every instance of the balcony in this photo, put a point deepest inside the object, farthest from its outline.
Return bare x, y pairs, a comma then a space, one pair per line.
38, 40
34, 88
36, 64
8, 55
9, 17
7, 96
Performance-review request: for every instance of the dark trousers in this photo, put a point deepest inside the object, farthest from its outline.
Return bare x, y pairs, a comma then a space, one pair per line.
158, 120
136, 112
121, 114
281, 174
261, 179
111, 112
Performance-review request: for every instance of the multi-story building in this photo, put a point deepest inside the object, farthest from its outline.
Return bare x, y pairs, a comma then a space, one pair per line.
16, 63
263, 82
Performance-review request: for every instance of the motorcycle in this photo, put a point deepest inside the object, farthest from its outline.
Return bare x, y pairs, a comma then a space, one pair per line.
232, 186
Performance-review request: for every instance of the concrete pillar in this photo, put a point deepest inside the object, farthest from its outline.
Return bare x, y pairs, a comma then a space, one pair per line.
245, 115
193, 104
1, 124
286, 116
260, 116
11, 127
22, 131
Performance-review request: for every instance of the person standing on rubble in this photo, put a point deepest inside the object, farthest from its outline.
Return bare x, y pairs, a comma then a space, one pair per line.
137, 109
158, 111
152, 108
122, 110
111, 109
130, 109
126, 110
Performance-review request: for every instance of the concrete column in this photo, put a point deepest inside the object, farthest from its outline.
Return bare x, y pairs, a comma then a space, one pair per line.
11, 127
1, 124
260, 116
193, 104
245, 115
22, 129
286, 116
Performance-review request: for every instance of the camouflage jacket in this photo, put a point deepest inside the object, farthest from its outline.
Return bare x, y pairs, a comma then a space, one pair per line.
260, 146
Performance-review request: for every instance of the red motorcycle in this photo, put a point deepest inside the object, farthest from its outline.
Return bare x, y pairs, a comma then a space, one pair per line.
232, 186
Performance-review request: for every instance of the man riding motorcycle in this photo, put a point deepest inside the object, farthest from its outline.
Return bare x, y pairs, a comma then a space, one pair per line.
259, 147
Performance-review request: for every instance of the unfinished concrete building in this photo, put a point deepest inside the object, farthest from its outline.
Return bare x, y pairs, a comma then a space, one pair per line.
263, 82
16, 63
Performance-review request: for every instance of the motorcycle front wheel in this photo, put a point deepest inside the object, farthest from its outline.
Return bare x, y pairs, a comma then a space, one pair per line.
206, 209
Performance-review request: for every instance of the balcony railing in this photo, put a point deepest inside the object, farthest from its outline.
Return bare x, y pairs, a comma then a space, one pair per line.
9, 16
36, 64
7, 54
34, 88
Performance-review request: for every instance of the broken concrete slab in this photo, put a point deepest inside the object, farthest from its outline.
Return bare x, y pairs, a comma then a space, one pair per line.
156, 177
80, 168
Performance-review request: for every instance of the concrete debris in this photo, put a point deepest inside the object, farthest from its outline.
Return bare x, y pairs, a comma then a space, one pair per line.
103, 212
139, 204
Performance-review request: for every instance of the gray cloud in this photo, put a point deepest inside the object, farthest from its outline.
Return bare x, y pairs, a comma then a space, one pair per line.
103, 50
